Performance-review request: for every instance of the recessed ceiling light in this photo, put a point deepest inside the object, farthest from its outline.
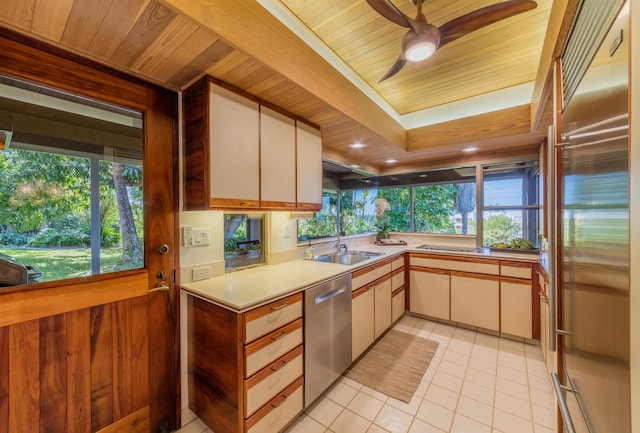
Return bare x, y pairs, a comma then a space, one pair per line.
470, 149
357, 145
391, 161
354, 166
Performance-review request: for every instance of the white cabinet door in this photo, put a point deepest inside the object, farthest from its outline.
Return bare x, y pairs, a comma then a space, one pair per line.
277, 160
475, 300
382, 310
309, 167
397, 304
515, 307
429, 292
362, 321
234, 149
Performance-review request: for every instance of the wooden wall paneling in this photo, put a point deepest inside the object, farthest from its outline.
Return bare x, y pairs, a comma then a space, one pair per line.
24, 377
122, 365
53, 374
79, 371
101, 367
140, 352
4, 379
137, 422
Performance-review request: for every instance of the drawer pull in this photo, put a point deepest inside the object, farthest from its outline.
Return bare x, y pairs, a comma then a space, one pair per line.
279, 307
276, 368
276, 405
279, 337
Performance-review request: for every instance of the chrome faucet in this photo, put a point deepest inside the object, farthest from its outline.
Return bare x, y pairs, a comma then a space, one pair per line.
340, 247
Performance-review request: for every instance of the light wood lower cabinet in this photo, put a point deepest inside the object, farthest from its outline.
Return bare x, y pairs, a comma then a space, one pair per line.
397, 304
475, 300
362, 320
515, 307
430, 292
382, 306
245, 369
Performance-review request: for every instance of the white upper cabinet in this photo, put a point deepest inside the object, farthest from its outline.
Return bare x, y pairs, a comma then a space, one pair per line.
234, 151
277, 159
241, 154
309, 167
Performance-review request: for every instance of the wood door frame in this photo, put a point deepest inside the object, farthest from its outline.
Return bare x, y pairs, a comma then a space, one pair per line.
31, 60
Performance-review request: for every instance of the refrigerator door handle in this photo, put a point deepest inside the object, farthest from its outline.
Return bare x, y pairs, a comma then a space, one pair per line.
562, 403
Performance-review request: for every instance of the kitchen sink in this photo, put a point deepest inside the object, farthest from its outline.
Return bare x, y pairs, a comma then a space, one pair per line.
348, 258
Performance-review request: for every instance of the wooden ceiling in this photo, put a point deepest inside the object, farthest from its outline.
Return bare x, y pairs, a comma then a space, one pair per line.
174, 42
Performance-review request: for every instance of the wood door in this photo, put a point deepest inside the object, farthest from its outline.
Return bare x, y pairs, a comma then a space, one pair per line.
98, 353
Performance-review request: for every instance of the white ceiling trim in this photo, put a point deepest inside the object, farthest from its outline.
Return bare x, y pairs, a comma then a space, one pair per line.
493, 101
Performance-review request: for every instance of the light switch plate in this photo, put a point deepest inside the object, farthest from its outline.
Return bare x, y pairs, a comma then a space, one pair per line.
286, 230
187, 236
201, 237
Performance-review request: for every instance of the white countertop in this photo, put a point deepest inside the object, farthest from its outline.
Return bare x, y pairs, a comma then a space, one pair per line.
249, 288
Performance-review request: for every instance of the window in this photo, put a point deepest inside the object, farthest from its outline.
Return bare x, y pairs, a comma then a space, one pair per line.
322, 224
445, 208
435, 202
71, 198
511, 203
244, 244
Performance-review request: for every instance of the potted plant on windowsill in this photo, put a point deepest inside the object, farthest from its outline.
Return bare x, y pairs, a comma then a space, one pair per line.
382, 218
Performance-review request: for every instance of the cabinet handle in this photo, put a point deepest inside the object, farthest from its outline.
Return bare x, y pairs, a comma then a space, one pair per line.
279, 337
282, 364
279, 307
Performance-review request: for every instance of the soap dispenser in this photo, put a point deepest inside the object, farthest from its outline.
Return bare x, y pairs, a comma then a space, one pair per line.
308, 253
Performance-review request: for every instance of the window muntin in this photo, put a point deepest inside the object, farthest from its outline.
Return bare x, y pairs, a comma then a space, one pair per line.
244, 241
72, 183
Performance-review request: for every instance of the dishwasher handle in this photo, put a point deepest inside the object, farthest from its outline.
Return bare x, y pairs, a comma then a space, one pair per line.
326, 296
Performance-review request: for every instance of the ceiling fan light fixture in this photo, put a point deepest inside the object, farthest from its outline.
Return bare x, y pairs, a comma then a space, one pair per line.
421, 45
419, 50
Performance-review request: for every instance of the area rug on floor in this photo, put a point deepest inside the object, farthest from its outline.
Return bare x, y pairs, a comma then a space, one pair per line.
394, 365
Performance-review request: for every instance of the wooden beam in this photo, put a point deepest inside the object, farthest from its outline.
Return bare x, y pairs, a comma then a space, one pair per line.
252, 29
501, 123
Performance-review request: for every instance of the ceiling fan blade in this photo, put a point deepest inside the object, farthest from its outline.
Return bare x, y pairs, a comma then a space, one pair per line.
395, 68
390, 12
482, 17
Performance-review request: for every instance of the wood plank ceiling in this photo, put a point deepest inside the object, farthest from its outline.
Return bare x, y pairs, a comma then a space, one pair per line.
174, 42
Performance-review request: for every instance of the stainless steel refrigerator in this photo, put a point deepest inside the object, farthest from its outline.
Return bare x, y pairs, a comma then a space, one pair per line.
593, 244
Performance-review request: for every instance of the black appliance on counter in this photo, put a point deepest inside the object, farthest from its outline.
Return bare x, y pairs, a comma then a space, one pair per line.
14, 273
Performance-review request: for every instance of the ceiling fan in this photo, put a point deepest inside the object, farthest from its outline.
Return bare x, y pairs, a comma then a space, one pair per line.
423, 39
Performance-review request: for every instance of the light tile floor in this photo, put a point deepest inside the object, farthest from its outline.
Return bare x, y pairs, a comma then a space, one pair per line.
476, 383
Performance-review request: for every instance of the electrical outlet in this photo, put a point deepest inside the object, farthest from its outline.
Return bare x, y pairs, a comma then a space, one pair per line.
201, 237
201, 273
187, 236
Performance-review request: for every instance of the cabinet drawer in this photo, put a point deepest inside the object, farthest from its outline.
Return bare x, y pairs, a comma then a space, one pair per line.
268, 382
515, 269
397, 279
272, 346
279, 412
460, 264
265, 319
367, 275
397, 263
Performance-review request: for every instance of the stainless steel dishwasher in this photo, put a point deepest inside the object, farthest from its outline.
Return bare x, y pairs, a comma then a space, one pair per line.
327, 335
